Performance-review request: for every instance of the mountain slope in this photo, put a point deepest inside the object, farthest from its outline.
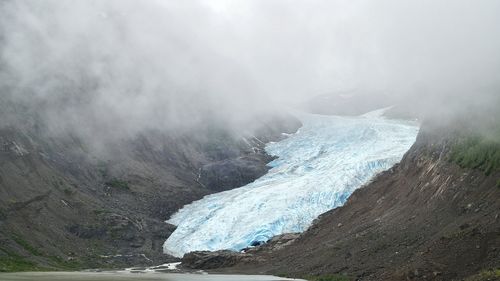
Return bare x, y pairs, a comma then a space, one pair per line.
66, 204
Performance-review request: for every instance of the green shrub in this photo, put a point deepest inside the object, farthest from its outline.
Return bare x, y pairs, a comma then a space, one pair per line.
15, 264
477, 152
27, 246
11, 262
490, 274
100, 211
117, 183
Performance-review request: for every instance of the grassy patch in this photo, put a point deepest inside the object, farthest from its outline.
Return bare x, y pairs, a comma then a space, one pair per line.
476, 152
119, 184
491, 274
98, 212
16, 263
27, 246
11, 262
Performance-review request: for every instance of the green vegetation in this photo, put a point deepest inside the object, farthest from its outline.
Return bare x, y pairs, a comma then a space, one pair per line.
23, 243
61, 185
11, 262
498, 183
491, 274
117, 183
12, 201
14, 263
477, 152
100, 211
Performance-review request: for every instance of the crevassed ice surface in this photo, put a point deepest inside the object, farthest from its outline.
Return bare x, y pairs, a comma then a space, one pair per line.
317, 170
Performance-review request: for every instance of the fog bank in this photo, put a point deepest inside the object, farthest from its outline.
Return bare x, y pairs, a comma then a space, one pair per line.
125, 66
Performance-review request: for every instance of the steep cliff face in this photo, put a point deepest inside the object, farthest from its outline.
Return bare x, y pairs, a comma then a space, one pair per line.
426, 218
64, 204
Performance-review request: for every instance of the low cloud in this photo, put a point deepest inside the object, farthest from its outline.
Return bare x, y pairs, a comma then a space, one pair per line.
125, 66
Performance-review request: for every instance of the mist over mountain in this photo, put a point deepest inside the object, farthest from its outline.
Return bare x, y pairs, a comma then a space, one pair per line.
122, 66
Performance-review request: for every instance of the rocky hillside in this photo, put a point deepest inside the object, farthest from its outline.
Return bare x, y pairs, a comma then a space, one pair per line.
431, 217
65, 204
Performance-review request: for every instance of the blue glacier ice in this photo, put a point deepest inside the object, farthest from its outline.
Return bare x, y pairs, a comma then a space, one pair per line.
317, 169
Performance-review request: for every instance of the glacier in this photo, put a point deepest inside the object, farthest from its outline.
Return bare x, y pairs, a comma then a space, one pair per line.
317, 169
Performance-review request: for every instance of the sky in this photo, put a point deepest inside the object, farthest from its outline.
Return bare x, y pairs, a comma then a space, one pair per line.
130, 65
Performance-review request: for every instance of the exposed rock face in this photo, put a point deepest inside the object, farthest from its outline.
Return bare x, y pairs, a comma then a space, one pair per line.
424, 219
214, 260
222, 259
63, 204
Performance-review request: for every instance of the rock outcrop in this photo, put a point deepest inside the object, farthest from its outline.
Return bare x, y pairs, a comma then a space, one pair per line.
213, 260
207, 260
